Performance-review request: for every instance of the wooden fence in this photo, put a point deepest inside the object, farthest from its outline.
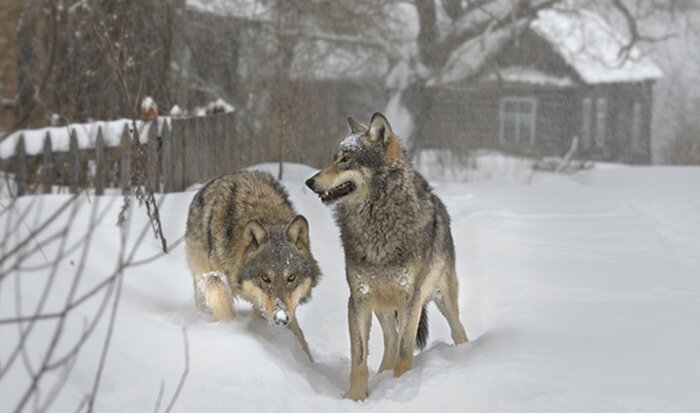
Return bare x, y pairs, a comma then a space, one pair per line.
178, 154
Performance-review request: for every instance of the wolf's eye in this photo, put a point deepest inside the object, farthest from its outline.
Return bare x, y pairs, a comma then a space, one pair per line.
265, 278
291, 278
344, 159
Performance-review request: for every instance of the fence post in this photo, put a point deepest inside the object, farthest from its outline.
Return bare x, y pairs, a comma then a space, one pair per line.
223, 159
208, 133
203, 132
74, 160
178, 149
193, 152
235, 136
236, 147
167, 170
100, 163
21, 166
47, 167
152, 155
125, 169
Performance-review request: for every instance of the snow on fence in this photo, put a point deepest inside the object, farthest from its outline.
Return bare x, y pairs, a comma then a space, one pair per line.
173, 155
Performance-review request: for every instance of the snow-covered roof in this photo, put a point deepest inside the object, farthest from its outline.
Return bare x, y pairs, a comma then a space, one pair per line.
470, 57
528, 75
583, 39
592, 47
242, 9
86, 133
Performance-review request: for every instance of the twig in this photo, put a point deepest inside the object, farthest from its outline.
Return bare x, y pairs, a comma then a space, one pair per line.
160, 396
124, 230
181, 384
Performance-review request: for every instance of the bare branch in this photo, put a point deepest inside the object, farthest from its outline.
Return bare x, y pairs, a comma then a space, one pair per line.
185, 372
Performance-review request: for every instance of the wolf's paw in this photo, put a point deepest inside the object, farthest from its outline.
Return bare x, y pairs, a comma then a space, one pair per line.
460, 340
460, 337
401, 367
357, 395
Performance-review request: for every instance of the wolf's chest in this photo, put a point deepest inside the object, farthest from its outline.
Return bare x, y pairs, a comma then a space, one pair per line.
389, 245
388, 286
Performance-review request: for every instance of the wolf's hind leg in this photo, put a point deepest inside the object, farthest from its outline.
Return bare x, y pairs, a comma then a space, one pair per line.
446, 300
387, 319
294, 326
215, 296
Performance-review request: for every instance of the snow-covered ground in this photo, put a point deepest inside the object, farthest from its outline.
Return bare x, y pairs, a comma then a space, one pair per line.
579, 293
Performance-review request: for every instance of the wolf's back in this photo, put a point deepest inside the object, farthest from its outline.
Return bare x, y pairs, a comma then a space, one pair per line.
223, 206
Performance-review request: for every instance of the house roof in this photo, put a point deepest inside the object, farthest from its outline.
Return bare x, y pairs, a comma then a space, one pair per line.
528, 75
592, 47
467, 60
583, 39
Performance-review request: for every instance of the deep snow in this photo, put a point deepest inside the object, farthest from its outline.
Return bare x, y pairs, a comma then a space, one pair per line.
579, 293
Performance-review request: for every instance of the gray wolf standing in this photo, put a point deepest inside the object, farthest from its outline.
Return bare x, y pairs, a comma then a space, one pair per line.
398, 247
244, 239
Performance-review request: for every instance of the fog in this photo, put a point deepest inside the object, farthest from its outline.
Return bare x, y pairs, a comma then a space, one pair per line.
562, 137
442, 70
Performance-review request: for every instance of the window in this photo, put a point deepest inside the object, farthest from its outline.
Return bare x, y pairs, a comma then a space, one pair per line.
518, 120
601, 119
636, 126
586, 111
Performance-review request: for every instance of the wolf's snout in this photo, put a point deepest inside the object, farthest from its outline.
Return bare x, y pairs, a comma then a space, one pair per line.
310, 183
281, 318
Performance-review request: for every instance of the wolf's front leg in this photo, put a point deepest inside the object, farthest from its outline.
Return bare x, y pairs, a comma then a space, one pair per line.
213, 289
408, 329
360, 319
294, 326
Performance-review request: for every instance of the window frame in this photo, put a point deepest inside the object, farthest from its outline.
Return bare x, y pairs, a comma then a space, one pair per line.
601, 122
636, 129
518, 124
586, 122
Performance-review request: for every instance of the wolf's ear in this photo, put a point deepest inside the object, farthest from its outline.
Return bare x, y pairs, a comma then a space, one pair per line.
355, 126
298, 232
379, 129
254, 235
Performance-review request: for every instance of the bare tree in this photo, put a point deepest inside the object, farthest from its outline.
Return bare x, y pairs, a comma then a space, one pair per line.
446, 25
41, 242
78, 60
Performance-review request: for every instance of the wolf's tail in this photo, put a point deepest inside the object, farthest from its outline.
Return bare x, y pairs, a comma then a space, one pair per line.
422, 334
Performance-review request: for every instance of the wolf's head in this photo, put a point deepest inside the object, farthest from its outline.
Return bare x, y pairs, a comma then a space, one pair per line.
364, 153
279, 270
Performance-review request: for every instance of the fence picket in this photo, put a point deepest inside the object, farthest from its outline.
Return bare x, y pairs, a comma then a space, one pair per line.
152, 155
167, 171
100, 163
47, 166
74, 161
21, 166
178, 141
125, 167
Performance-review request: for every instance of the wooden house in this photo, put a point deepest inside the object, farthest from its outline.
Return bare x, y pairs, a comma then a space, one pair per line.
565, 75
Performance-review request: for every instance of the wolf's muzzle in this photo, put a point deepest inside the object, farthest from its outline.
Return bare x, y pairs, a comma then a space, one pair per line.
281, 318
310, 183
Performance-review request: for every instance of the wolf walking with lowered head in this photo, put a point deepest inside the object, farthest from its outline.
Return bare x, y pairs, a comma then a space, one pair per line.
399, 253
244, 239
